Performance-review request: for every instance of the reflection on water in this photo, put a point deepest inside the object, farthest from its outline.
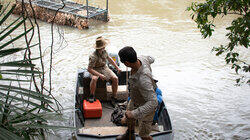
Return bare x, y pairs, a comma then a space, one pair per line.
198, 87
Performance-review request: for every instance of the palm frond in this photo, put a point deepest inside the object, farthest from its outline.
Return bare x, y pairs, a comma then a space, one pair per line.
45, 126
20, 63
23, 112
25, 90
8, 79
7, 14
14, 39
25, 101
10, 51
4, 9
23, 71
10, 25
17, 64
8, 135
12, 29
34, 96
1, 6
16, 74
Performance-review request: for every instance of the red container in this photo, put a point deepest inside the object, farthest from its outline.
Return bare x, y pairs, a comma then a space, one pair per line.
92, 110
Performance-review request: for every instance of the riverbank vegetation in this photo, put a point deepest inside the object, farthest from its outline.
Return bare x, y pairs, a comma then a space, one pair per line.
238, 32
26, 103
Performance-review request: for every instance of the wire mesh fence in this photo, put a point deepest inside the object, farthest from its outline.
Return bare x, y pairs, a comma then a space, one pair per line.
64, 12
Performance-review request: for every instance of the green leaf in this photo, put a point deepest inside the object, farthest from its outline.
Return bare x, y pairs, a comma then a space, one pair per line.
23, 71
17, 110
45, 126
225, 10
214, 14
26, 101
7, 15
7, 79
23, 119
192, 16
234, 60
27, 117
238, 80
238, 31
10, 25
10, 51
8, 135
17, 64
31, 95
14, 39
246, 68
5, 8
219, 53
25, 90
11, 30
228, 55
25, 61
17, 74
235, 54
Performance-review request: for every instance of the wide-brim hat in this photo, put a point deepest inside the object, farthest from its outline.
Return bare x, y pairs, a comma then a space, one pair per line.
101, 43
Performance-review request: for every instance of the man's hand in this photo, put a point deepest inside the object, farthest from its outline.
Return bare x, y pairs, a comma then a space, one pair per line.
124, 120
103, 77
118, 70
129, 114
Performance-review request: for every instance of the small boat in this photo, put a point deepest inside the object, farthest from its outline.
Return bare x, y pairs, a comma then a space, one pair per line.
103, 127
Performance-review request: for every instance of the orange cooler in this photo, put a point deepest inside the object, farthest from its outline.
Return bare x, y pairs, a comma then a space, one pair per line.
92, 110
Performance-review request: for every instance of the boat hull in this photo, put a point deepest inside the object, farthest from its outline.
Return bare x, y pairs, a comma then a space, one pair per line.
103, 128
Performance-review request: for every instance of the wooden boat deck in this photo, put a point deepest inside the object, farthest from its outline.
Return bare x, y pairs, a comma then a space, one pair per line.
113, 130
103, 126
104, 120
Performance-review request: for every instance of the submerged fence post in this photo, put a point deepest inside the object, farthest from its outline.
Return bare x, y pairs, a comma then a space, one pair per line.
87, 4
107, 10
107, 5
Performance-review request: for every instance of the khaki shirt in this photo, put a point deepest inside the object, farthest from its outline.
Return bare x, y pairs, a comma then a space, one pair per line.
97, 60
143, 97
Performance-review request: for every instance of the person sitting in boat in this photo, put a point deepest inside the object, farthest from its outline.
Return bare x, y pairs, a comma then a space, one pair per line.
143, 101
97, 67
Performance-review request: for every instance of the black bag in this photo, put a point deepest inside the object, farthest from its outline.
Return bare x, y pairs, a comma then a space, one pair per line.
118, 114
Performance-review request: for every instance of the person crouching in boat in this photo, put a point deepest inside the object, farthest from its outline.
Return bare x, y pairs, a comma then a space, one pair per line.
97, 67
143, 101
